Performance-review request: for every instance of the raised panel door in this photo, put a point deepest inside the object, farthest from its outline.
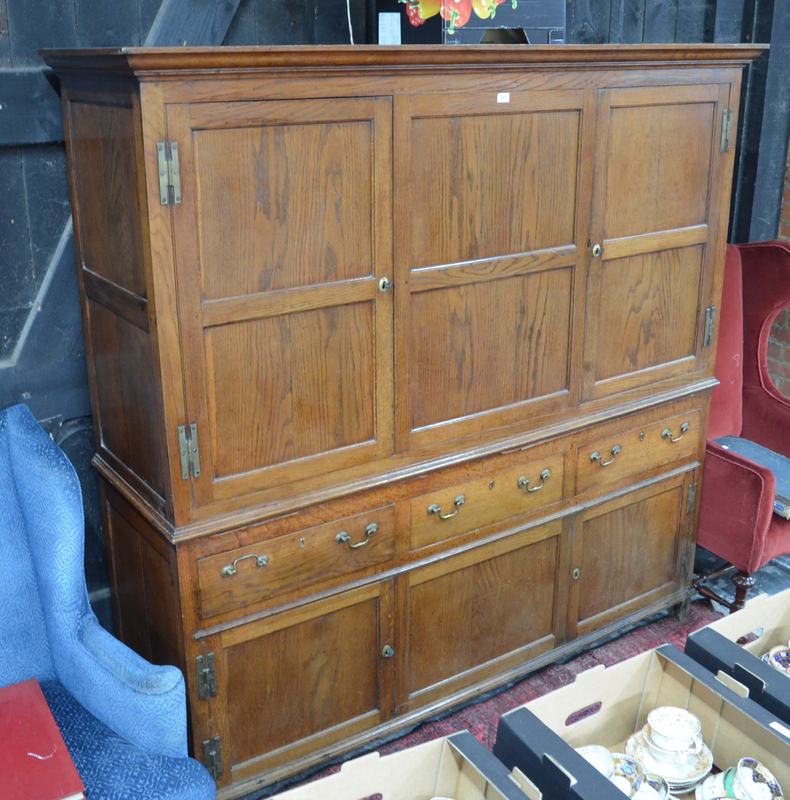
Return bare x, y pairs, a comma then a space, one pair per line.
482, 612
281, 239
632, 552
488, 226
656, 234
302, 679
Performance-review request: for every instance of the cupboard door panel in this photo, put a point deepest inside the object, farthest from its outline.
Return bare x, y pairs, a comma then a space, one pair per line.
631, 552
651, 311
480, 607
307, 674
487, 233
282, 235
656, 220
661, 169
462, 337
315, 371
298, 180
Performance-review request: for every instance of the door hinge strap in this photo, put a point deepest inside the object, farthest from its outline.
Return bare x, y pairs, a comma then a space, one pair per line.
212, 757
206, 676
726, 130
710, 321
169, 173
189, 450
692, 501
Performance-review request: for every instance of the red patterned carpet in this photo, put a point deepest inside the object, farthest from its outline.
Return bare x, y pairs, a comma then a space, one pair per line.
480, 718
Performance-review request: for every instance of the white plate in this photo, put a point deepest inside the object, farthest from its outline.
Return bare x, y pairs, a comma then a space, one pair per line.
681, 777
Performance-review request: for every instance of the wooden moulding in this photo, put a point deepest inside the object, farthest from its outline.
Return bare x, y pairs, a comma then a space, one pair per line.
177, 61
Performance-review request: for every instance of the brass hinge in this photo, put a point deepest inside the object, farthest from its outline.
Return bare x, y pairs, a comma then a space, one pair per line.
189, 451
206, 677
212, 757
692, 502
169, 175
726, 130
710, 321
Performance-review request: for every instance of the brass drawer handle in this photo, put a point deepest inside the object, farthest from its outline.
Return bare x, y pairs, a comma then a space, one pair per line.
344, 538
667, 434
434, 508
523, 483
230, 569
596, 456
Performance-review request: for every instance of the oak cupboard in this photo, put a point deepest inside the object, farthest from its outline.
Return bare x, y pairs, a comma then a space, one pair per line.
400, 363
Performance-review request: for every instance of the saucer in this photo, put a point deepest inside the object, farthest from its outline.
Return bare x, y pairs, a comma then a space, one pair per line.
681, 777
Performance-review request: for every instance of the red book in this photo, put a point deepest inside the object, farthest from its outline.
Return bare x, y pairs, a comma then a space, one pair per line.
34, 761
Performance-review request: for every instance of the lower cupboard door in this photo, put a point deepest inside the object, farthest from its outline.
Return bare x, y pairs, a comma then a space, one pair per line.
299, 681
633, 554
477, 616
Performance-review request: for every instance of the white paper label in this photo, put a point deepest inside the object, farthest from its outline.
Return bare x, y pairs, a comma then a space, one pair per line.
781, 728
503, 97
389, 28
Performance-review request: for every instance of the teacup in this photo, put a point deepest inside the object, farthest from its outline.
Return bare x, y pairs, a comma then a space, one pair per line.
628, 774
599, 756
671, 757
673, 729
717, 786
653, 787
754, 781
779, 658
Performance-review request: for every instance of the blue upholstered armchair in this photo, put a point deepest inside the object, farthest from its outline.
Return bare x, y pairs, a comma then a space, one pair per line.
123, 719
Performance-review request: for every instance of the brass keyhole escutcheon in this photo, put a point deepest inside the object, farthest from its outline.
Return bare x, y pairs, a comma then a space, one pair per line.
384, 284
387, 651
575, 574
597, 250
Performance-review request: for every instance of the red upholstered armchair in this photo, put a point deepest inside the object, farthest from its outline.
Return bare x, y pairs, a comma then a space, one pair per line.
737, 519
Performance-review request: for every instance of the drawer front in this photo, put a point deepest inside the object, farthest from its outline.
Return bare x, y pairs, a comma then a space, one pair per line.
468, 506
248, 575
640, 449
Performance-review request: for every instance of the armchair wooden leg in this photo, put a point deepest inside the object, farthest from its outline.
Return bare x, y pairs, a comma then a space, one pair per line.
743, 581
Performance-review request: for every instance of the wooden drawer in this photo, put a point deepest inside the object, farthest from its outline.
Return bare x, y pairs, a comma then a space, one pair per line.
465, 507
640, 449
246, 575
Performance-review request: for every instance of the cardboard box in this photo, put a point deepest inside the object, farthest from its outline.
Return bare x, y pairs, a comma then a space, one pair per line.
764, 623
607, 705
457, 767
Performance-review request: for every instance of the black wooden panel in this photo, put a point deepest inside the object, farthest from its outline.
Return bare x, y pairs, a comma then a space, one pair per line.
775, 127
5, 41
107, 24
588, 21
37, 24
690, 25
191, 22
19, 284
31, 111
244, 28
148, 12
757, 28
660, 20
727, 20
47, 189
627, 21
331, 21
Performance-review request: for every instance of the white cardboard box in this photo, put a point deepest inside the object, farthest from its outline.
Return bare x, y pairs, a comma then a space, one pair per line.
607, 705
764, 623
457, 767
